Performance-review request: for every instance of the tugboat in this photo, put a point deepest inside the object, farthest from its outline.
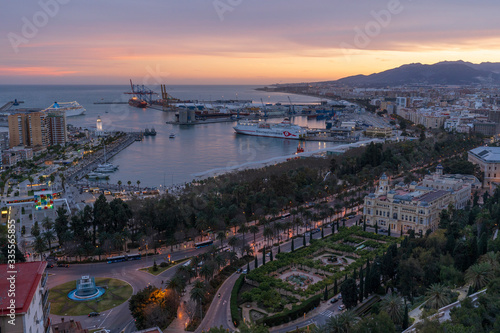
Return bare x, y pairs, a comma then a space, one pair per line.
149, 132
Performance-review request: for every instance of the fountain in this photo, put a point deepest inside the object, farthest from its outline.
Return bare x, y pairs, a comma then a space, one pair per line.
85, 290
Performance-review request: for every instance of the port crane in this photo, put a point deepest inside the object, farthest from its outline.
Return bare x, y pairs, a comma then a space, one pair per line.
292, 108
142, 92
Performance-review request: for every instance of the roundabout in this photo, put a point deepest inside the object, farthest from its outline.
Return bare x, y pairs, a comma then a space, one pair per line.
106, 294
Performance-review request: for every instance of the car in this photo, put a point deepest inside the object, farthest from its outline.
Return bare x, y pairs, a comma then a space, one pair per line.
63, 265
315, 231
244, 271
333, 300
341, 307
94, 314
50, 265
382, 230
340, 296
238, 270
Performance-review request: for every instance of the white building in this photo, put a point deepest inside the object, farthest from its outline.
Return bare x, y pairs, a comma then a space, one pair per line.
488, 160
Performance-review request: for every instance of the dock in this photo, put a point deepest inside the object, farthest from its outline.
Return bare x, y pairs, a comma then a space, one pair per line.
8, 105
91, 165
110, 102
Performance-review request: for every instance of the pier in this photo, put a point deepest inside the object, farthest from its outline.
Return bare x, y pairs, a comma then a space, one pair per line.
86, 166
8, 105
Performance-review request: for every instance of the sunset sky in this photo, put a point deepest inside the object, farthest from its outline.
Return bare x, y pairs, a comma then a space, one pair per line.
236, 41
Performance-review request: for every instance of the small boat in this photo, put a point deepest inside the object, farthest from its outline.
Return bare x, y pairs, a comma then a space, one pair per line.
95, 175
149, 132
172, 136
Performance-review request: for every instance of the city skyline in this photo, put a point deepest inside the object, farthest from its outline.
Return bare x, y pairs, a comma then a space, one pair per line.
235, 42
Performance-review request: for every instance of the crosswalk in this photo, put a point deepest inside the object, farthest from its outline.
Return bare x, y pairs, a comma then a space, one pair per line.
327, 313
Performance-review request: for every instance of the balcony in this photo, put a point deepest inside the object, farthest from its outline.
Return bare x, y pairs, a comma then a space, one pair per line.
44, 280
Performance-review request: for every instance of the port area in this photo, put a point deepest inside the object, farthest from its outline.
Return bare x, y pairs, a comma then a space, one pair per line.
89, 163
201, 119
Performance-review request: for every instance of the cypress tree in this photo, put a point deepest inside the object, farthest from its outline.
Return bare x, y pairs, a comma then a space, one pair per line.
248, 267
264, 256
335, 288
364, 225
366, 278
361, 291
354, 275
405, 318
343, 223
279, 248
293, 245
376, 227
271, 256
304, 240
322, 233
326, 293
256, 262
389, 230
310, 237
401, 235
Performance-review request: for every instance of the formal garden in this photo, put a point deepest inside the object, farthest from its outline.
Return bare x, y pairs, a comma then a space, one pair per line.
281, 290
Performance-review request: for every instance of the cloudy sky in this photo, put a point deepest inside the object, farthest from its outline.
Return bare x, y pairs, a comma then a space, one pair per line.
236, 41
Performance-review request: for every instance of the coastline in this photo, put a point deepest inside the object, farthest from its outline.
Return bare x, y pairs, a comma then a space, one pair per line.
340, 149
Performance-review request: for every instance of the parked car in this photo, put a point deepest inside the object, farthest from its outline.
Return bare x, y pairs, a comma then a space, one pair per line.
93, 314
341, 307
244, 271
63, 265
333, 300
315, 231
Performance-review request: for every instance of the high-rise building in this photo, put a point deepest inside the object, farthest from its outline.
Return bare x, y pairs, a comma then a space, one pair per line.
56, 121
37, 129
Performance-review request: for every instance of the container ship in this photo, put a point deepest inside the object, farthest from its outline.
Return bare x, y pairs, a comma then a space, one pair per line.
138, 103
284, 130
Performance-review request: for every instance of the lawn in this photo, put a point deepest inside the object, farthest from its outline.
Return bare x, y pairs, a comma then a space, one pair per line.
117, 292
160, 268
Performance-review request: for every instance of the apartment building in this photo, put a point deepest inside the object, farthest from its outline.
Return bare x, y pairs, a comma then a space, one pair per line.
30, 311
488, 160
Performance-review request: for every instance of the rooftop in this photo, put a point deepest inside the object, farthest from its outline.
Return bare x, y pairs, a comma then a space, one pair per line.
28, 277
487, 154
433, 195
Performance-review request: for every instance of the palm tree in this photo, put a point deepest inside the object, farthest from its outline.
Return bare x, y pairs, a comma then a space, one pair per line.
243, 229
49, 236
176, 284
254, 230
30, 179
221, 236
138, 183
437, 296
393, 305
268, 233
219, 260
338, 324
207, 271
119, 185
41, 179
198, 293
129, 183
61, 175
233, 241
39, 244
493, 258
479, 275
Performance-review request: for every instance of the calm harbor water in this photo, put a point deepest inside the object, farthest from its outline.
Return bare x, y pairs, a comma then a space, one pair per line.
159, 160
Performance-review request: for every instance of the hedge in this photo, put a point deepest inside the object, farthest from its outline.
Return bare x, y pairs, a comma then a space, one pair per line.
292, 314
235, 313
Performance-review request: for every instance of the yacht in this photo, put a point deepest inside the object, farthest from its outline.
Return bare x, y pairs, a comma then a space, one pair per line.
172, 136
106, 167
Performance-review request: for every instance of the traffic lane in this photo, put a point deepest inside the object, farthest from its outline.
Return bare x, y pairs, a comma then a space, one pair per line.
219, 315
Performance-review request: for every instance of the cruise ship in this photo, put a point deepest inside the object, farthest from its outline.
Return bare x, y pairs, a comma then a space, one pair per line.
284, 130
72, 108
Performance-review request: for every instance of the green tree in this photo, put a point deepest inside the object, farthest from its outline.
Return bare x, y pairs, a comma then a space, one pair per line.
437, 296
375, 323
349, 292
479, 275
392, 304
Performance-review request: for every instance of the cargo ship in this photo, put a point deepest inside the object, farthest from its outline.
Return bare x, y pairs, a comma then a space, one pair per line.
138, 103
284, 130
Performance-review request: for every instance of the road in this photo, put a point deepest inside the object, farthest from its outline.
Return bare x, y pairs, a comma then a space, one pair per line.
119, 318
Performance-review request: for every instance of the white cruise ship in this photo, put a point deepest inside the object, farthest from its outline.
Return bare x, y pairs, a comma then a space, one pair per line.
284, 130
72, 108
